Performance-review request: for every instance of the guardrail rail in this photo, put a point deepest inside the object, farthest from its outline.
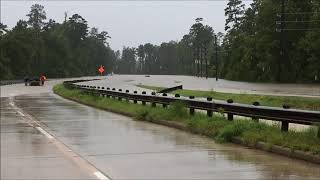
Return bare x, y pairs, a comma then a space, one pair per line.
9, 82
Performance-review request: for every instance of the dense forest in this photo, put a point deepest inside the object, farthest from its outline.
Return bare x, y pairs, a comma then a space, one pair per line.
64, 49
268, 41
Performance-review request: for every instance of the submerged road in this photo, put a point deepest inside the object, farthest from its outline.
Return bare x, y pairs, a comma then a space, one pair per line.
210, 84
44, 136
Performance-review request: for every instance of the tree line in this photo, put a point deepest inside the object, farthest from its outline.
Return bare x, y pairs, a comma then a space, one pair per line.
269, 41
40, 46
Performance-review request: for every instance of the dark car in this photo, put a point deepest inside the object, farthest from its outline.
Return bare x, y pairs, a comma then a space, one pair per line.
34, 81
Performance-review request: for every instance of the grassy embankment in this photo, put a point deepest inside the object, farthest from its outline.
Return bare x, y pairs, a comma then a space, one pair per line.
304, 103
216, 127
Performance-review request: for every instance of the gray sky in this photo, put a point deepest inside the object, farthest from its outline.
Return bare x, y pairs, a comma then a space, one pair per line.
129, 23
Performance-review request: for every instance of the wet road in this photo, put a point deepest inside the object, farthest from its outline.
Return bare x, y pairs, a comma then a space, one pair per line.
28, 154
125, 149
195, 83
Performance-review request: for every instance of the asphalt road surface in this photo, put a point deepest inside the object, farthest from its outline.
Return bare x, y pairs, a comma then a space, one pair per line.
44, 136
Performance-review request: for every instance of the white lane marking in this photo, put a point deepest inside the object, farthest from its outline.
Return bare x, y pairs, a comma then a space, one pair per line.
100, 176
21, 113
44, 132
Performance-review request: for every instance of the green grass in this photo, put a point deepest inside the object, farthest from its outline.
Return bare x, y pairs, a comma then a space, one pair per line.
216, 127
304, 103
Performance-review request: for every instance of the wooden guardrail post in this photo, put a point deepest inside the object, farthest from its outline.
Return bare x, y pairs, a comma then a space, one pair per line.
318, 131
230, 115
209, 112
164, 105
120, 98
153, 104
285, 124
108, 89
135, 101
143, 102
113, 89
191, 109
256, 103
127, 99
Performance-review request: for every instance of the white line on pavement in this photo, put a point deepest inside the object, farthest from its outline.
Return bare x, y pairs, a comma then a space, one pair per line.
44, 132
20, 113
100, 176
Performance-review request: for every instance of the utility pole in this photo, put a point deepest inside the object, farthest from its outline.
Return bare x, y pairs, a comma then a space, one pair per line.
206, 59
282, 40
201, 58
216, 46
198, 61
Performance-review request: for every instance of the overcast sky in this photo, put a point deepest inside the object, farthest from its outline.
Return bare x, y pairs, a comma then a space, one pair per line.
129, 23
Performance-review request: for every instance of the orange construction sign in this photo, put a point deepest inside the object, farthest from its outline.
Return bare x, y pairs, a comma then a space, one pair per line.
101, 69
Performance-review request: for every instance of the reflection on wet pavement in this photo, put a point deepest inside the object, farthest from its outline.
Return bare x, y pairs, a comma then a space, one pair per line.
27, 154
127, 149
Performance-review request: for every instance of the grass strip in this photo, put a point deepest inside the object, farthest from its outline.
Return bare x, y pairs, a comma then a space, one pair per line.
304, 103
217, 127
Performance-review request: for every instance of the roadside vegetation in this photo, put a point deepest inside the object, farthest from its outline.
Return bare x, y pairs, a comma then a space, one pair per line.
304, 103
216, 127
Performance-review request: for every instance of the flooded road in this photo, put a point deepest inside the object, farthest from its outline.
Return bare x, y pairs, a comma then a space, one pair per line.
125, 149
210, 84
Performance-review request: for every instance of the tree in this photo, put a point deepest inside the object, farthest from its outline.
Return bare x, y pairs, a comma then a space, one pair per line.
141, 59
201, 36
78, 28
127, 62
234, 12
57, 50
3, 29
36, 17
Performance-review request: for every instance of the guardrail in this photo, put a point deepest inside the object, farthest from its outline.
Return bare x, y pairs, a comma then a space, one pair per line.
9, 82
170, 89
256, 112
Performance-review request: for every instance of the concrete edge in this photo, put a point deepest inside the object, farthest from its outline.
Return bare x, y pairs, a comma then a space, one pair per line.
236, 140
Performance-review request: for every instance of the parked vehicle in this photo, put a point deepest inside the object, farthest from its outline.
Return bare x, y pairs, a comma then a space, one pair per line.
34, 81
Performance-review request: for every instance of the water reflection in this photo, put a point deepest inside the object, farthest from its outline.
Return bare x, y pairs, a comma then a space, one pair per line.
101, 135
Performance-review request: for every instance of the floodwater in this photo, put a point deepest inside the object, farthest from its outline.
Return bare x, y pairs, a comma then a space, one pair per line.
210, 84
125, 149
